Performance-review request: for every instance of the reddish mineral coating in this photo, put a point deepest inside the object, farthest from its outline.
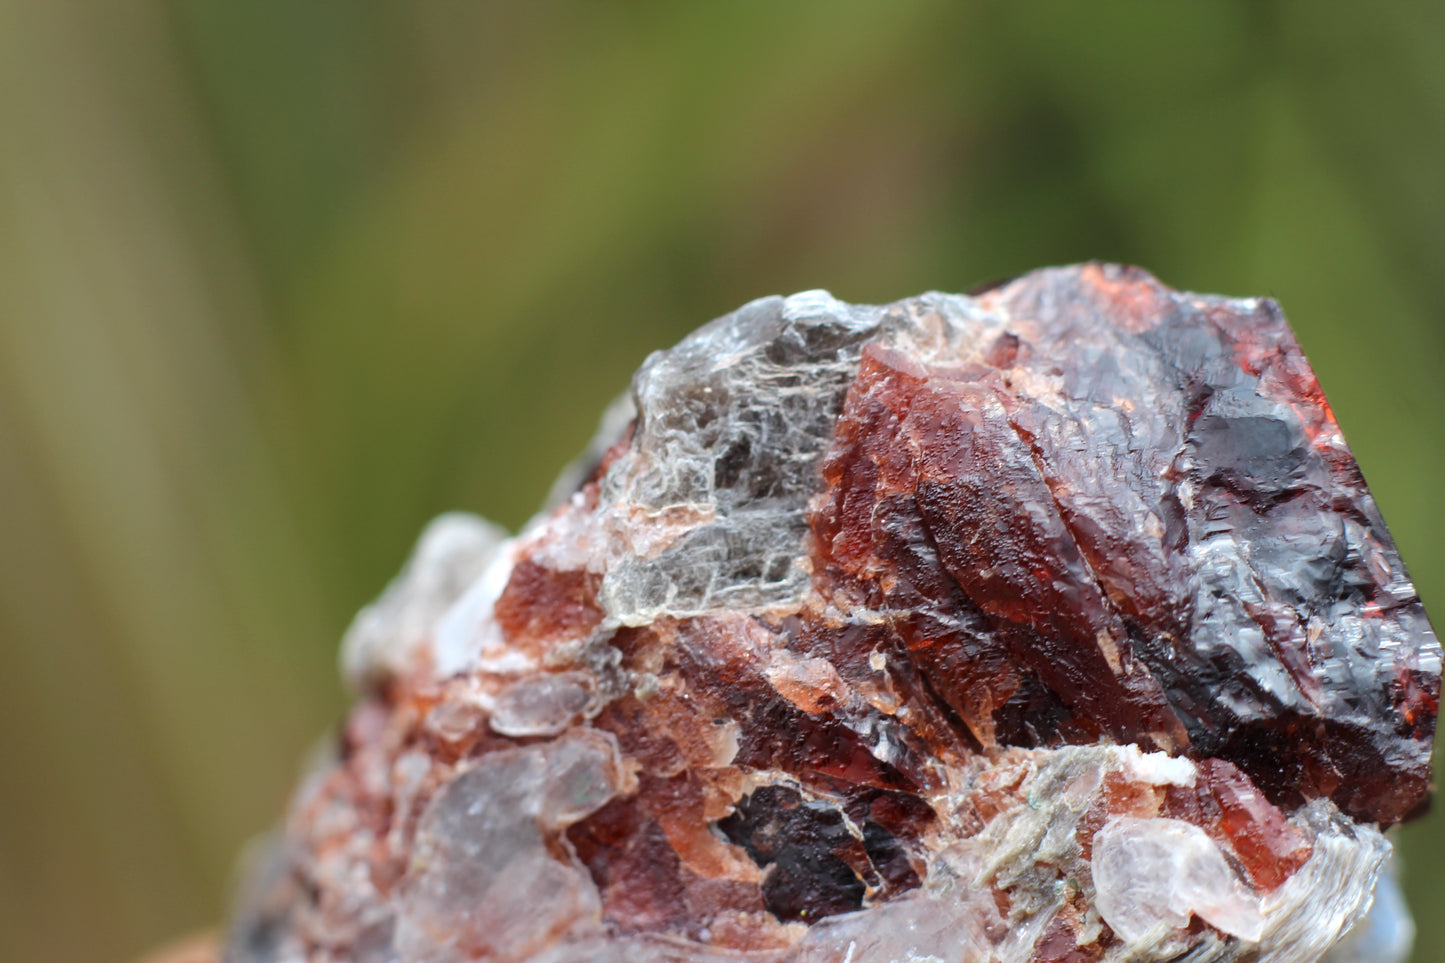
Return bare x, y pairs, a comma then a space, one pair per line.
542, 604
997, 503
1228, 807
1105, 514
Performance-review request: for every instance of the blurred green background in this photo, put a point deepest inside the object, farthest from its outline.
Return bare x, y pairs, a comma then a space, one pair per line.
282, 279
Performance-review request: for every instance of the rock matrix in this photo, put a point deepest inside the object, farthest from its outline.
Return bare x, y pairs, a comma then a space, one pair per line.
1050, 624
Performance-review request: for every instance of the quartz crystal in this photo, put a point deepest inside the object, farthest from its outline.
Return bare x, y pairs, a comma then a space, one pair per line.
1054, 624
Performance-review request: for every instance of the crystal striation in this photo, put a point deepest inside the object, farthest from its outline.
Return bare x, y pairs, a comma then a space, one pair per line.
1050, 624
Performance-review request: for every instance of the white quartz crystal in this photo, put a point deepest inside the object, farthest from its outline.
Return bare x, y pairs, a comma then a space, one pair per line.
917, 930
542, 704
1158, 872
483, 881
451, 554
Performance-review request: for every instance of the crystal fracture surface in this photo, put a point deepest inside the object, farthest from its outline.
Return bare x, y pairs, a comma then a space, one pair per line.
1051, 624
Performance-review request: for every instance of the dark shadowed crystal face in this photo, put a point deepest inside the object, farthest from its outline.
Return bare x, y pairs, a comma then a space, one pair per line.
1120, 511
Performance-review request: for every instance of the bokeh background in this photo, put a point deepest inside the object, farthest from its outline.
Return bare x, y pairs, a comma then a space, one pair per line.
282, 279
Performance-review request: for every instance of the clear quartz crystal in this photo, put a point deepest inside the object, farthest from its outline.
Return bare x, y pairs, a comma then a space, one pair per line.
482, 880
1152, 873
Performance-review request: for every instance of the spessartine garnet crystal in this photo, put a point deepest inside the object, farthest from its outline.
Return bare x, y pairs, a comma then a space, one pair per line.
1050, 624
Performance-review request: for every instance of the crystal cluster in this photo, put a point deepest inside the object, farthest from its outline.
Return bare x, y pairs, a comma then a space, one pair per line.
1052, 624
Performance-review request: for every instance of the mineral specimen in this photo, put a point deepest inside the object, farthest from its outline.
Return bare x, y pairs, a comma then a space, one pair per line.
1050, 624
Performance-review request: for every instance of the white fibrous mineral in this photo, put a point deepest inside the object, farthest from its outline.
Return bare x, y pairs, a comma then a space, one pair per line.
1053, 624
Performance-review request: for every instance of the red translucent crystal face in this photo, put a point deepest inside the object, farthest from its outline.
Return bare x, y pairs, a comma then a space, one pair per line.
1140, 522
